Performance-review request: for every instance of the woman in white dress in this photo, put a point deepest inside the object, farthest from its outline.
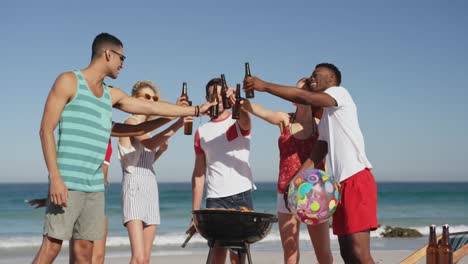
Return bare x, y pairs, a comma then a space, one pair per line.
140, 201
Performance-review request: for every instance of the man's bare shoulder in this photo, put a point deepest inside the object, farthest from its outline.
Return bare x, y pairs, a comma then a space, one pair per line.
65, 85
66, 78
117, 94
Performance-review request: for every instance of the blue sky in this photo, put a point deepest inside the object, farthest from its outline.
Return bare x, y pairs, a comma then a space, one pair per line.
404, 62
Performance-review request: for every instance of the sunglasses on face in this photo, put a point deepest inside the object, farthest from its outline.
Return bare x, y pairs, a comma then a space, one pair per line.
149, 97
122, 57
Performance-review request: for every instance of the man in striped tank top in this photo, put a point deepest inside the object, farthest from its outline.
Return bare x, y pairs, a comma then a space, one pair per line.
80, 103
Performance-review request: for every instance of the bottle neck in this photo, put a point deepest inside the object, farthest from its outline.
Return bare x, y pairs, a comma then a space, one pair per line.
445, 236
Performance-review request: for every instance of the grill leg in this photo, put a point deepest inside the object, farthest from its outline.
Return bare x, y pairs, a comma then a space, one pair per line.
239, 255
247, 248
210, 253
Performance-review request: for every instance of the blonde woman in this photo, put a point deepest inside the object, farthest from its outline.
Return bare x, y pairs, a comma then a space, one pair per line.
140, 201
298, 135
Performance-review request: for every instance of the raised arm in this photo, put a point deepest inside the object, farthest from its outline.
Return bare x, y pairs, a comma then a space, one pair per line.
317, 155
122, 101
61, 93
198, 181
127, 130
272, 117
158, 139
162, 148
299, 96
163, 136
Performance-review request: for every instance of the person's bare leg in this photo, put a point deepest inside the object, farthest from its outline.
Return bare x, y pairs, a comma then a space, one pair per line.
82, 251
289, 229
235, 258
320, 237
219, 255
71, 248
149, 232
48, 251
99, 247
355, 248
135, 233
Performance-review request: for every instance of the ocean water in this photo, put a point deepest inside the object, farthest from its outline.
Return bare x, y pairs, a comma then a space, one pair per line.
414, 205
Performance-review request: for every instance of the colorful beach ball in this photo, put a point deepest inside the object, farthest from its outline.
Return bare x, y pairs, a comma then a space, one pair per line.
313, 196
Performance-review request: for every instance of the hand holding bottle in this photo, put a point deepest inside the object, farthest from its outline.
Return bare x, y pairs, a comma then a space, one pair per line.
254, 83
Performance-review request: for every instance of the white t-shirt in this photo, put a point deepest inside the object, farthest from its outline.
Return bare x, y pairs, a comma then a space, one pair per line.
339, 127
227, 149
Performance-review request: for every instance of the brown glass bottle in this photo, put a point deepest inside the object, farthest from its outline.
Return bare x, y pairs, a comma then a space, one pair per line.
445, 249
236, 107
432, 247
248, 94
226, 102
214, 110
187, 126
184, 91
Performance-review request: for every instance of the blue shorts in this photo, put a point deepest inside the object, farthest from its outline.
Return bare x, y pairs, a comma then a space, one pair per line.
243, 199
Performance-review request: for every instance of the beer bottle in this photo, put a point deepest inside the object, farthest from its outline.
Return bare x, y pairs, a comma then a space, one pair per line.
236, 108
226, 102
187, 126
250, 93
184, 91
214, 98
432, 247
445, 249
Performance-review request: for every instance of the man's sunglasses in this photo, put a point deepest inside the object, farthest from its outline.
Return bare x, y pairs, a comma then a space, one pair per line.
122, 57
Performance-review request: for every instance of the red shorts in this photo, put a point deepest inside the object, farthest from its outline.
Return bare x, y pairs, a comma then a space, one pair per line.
357, 209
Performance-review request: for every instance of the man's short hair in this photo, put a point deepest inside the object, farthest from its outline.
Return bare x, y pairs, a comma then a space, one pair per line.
212, 82
103, 41
333, 68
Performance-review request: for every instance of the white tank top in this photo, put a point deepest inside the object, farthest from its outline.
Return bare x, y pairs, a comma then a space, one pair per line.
136, 159
227, 149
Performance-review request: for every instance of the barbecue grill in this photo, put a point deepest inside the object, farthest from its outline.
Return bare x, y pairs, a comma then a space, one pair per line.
232, 229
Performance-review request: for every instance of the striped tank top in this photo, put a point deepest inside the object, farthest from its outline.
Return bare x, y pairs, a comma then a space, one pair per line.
84, 131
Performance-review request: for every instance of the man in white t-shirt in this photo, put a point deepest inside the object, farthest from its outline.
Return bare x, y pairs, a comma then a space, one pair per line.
340, 138
222, 150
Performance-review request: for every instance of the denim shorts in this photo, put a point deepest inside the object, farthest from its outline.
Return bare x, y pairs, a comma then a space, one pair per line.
243, 199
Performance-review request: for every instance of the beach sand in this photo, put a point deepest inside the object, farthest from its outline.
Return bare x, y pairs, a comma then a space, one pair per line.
384, 256
199, 256
384, 250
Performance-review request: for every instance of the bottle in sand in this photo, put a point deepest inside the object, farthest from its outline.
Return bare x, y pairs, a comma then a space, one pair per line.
432, 247
445, 249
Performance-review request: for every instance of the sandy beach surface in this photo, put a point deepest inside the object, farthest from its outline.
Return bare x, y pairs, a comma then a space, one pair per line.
384, 250
271, 258
199, 256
